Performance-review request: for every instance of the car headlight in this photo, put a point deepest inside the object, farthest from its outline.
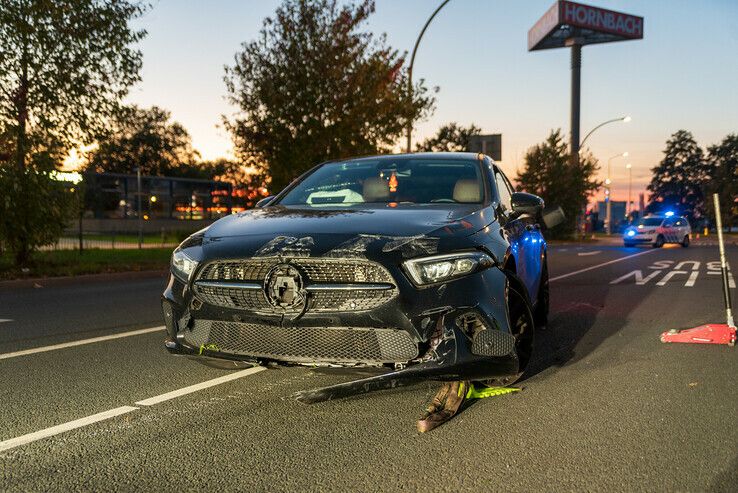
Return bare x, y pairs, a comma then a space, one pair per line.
182, 264
438, 268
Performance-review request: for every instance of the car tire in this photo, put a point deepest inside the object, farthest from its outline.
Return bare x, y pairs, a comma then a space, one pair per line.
540, 313
659, 241
523, 327
685, 241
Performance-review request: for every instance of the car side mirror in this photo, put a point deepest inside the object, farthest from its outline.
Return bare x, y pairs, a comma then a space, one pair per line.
264, 201
526, 204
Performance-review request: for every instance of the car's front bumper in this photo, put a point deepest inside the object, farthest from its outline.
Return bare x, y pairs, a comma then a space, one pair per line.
431, 319
639, 239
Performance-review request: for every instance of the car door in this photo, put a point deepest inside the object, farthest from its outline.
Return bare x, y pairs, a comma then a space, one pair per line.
524, 236
669, 231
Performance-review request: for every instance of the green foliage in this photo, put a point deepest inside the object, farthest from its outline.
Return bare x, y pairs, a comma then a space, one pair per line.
34, 208
313, 86
450, 138
680, 179
549, 172
146, 138
64, 67
723, 160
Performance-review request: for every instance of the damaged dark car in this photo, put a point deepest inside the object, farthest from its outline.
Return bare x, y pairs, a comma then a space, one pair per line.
426, 265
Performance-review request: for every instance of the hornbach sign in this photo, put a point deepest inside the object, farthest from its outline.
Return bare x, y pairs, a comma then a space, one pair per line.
585, 24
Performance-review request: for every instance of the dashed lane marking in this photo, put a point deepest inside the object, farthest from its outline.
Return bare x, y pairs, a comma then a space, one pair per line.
586, 269
5, 320
586, 254
199, 386
111, 413
81, 342
71, 425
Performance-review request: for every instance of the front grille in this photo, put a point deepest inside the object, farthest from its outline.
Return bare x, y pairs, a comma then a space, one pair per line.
314, 271
305, 344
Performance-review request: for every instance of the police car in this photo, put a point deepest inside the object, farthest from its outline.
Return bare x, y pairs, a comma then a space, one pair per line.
658, 230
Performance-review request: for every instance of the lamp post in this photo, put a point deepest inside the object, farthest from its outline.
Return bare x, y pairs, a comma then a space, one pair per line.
608, 181
410, 71
629, 167
138, 202
624, 119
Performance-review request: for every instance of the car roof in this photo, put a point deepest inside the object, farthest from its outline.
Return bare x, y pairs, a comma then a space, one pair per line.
423, 155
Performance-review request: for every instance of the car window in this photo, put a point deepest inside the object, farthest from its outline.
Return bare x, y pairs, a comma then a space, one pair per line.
650, 221
503, 189
668, 223
403, 179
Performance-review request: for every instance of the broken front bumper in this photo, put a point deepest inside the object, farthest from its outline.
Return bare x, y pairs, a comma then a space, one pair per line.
457, 330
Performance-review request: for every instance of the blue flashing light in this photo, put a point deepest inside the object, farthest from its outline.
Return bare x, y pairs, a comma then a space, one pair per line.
631, 233
669, 213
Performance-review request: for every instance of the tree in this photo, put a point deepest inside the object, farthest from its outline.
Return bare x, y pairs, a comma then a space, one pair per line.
723, 161
65, 65
548, 171
313, 86
679, 180
450, 138
146, 138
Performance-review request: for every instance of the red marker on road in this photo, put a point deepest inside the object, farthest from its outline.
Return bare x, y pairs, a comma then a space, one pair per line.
711, 333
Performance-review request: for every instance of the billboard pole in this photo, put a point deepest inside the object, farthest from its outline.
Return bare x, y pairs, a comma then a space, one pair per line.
576, 78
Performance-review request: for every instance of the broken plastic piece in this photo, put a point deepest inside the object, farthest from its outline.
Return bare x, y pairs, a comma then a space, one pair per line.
444, 406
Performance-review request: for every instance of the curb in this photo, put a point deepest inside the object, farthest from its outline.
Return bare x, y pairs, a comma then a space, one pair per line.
36, 282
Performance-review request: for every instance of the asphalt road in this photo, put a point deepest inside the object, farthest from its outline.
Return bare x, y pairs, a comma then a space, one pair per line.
605, 405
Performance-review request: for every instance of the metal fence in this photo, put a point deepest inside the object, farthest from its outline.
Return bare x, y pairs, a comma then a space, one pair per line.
111, 240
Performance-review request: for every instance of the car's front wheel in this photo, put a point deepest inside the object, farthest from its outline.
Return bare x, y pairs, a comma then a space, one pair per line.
659, 241
540, 314
685, 241
522, 326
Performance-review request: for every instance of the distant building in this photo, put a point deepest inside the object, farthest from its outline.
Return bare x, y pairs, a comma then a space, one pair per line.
617, 209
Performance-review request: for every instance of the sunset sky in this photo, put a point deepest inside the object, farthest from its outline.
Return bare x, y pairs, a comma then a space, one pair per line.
683, 74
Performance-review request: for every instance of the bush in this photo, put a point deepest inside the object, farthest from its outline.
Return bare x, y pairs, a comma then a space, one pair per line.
34, 208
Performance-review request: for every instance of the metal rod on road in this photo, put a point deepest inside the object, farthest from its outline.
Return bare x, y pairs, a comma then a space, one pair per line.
723, 262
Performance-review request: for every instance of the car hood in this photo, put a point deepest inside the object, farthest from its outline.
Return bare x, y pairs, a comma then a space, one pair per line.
285, 231
384, 221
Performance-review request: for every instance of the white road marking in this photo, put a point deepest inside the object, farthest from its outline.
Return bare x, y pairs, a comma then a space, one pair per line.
199, 386
111, 413
81, 342
71, 425
586, 254
639, 279
586, 269
5, 320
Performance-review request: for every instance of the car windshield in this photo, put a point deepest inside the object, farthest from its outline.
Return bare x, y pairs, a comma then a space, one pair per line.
413, 180
650, 221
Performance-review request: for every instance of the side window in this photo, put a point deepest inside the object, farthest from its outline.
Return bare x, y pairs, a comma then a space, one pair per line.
503, 188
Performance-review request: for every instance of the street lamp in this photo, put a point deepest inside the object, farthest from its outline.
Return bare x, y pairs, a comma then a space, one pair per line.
608, 216
624, 119
410, 71
629, 167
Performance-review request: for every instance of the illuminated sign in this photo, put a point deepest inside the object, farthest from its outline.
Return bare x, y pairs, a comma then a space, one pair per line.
585, 24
